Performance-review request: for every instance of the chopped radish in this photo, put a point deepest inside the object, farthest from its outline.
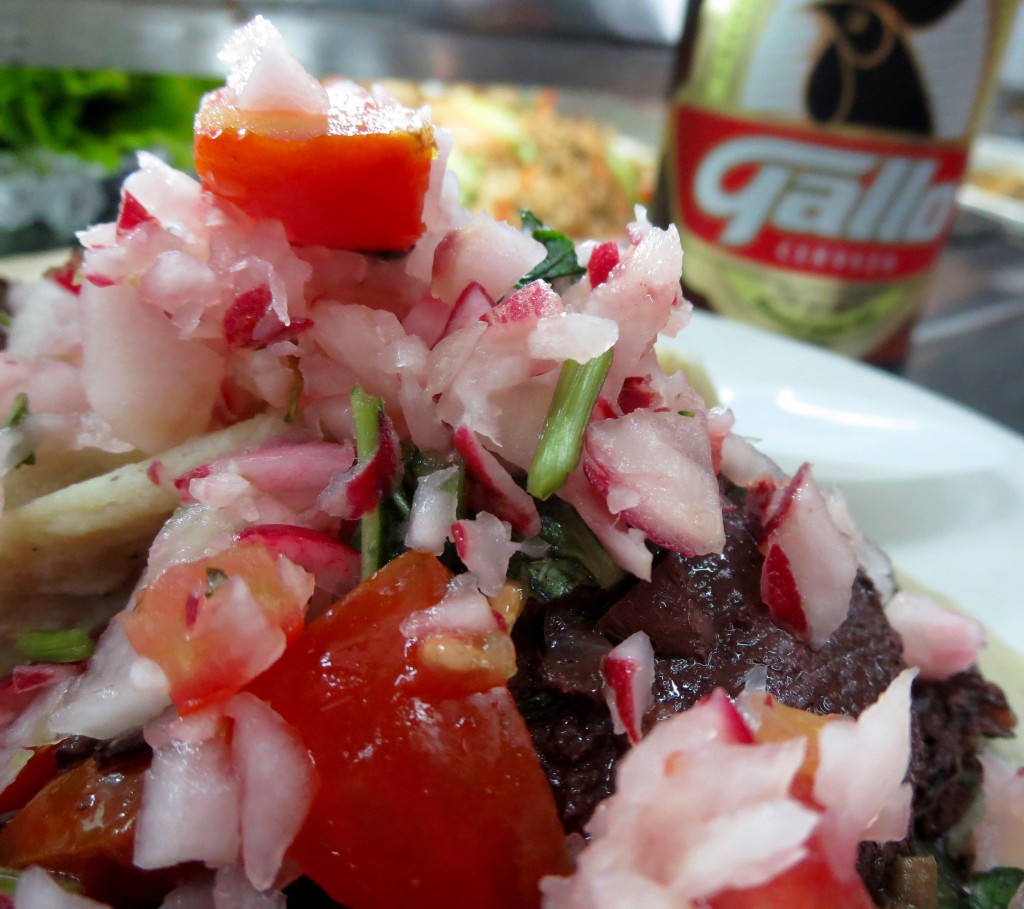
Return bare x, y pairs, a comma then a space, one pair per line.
462, 610
485, 546
473, 304
491, 253
936, 640
534, 301
654, 468
359, 489
628, 671
689, 799
999, 836
265, 76
37, 890
131, 213
571, 336
334, 565
505, 499
862, 765
603, 258
636, 394
746, 466
809, 566
626, 545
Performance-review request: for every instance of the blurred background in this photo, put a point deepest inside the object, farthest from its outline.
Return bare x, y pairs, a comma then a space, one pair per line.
557, 105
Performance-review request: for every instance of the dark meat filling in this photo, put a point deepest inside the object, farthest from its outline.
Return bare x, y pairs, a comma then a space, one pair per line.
710, 629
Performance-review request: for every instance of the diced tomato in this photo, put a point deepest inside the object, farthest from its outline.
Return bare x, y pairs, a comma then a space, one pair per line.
778, 723
355, 179
37, 771
429, 796
82, 824
809, 885
215, 624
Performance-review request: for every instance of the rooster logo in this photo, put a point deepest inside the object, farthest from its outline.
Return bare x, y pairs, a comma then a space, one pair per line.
866, 74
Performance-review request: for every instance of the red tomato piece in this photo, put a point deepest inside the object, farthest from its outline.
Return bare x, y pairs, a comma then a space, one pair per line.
82, 824
809, 885
429, 796
38, 770
211, 635
347, 180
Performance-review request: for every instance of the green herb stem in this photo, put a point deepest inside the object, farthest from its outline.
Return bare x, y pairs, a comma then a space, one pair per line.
561, 441
66, 645
365, 409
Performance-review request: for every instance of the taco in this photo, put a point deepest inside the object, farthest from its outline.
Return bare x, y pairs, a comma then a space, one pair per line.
424, 583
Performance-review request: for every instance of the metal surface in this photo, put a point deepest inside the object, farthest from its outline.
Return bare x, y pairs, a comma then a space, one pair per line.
969, 344
608, 45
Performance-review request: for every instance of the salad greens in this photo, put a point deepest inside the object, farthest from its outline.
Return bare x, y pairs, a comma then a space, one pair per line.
575, 557
561, 260
100, 116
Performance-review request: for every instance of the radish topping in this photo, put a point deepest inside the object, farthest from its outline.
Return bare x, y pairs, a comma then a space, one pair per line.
360, 489
131, 214
491, 253
485, 546
265, 76
628, 671
505, 499
999, 836
334, 565
603, 259
690, 799
859, 782
809, 566
473, 305
572, 336
936, 640
534, 301
746, 466
655, 469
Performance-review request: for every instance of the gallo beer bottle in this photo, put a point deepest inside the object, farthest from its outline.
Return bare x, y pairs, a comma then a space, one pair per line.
814, 150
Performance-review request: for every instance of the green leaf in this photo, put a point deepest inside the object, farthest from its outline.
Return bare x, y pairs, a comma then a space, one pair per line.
994, 889
65, 645
560, 261
576, 557
214, 578
561, 440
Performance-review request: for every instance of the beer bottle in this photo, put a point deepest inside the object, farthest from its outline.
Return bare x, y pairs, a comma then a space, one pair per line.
813, 153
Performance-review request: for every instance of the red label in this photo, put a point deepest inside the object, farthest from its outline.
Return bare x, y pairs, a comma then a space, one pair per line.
848, 208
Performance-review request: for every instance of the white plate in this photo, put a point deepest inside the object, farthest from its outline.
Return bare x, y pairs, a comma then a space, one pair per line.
938, 486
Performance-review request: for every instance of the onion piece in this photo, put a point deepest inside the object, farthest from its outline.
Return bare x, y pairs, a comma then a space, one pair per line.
277, 782
190, 805
37, 890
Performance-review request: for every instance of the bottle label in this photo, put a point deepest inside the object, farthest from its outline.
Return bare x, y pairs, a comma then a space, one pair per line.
817, 149
829, 206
